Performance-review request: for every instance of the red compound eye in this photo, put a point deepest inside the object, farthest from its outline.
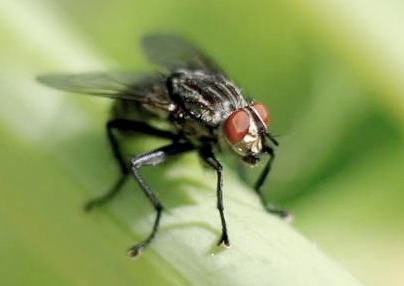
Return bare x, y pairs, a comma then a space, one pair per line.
262, 112
236, 126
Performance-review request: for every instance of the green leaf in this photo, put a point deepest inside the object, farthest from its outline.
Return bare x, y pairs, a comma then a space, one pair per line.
55, 156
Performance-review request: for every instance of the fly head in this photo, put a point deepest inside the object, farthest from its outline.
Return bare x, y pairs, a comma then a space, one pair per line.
246, 131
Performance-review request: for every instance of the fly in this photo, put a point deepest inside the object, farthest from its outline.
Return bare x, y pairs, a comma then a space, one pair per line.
205, 111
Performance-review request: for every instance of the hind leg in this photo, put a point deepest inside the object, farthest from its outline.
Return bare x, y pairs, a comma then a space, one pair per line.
123, 125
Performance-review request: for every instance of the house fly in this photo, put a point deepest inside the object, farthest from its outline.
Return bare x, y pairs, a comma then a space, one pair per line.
206, 112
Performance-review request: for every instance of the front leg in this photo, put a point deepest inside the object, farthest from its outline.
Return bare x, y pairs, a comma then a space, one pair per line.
260, 182
207, 155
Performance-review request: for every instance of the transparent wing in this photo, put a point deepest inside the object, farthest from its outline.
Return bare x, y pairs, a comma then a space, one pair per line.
119, 85
175, 53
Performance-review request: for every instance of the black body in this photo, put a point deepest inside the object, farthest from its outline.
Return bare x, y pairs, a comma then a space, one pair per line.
193, 95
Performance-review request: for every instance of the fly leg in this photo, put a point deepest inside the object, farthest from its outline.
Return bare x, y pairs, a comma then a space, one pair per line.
260, 182
123, 125
209, 158
153, 158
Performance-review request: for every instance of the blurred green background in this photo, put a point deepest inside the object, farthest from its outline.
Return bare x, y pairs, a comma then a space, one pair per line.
331, 71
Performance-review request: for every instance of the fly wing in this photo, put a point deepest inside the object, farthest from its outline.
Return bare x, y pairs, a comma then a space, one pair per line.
118, 85
176, 53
